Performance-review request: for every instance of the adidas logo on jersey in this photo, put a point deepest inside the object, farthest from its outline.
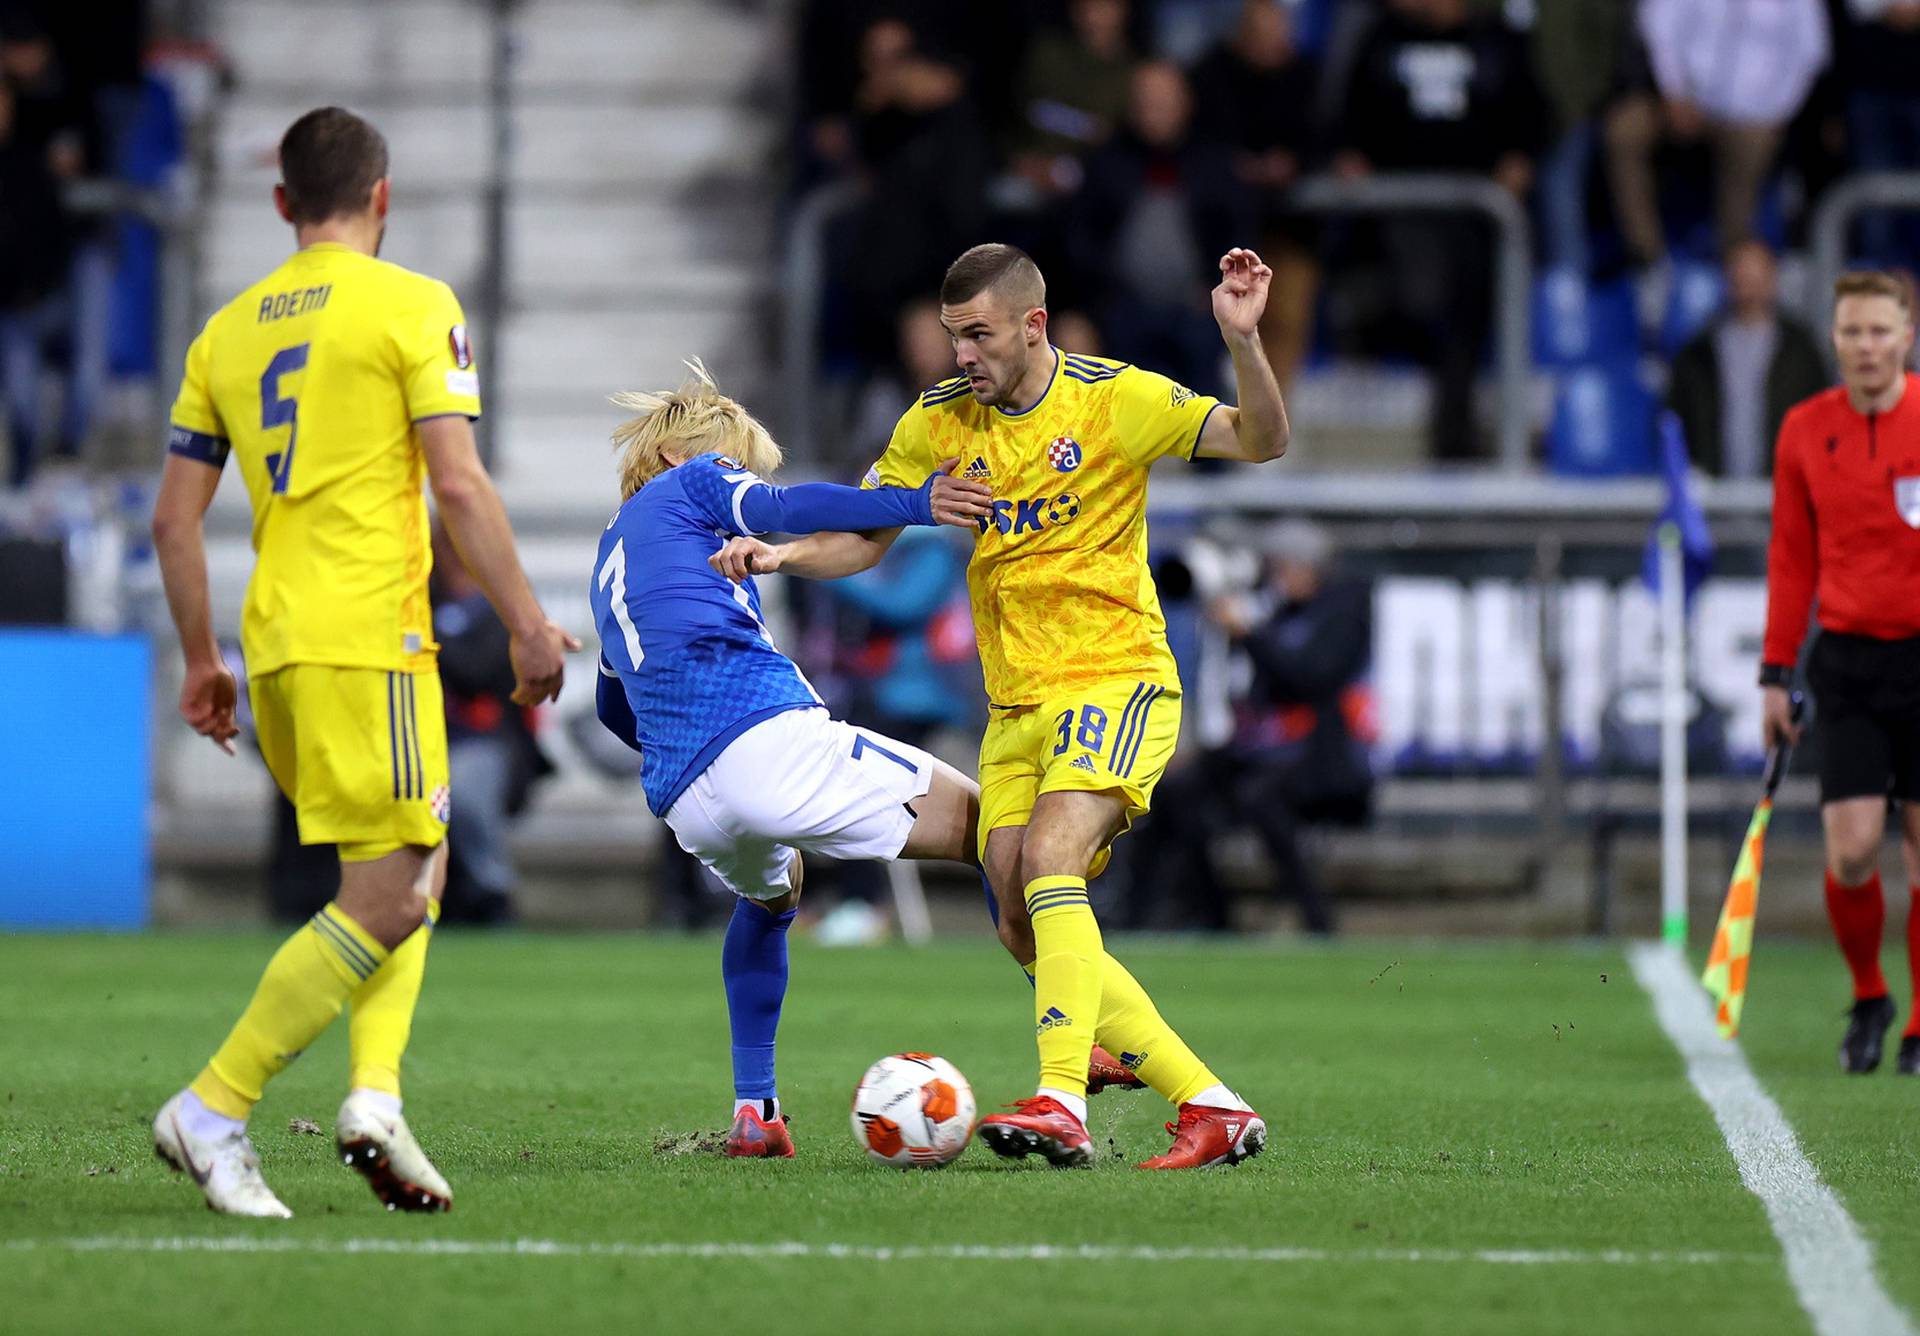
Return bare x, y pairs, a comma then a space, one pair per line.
1054, 1017
977, 471
1081, 763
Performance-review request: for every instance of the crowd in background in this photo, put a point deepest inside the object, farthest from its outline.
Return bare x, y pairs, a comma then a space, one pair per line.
74, 110
1127, 143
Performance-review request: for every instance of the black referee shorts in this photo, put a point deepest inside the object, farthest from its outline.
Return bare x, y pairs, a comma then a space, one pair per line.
1866, 695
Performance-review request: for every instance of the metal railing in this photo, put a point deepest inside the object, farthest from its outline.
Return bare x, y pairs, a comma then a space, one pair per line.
804, 278
1827, 230
1428, 192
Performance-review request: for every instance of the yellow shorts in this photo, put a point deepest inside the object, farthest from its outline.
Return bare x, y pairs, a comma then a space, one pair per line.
1112, 737
360, 753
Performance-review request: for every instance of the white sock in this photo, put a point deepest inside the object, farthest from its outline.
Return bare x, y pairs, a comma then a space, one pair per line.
204, 1123
1075, 1104
1217, 1096
386, 1103
759, 1107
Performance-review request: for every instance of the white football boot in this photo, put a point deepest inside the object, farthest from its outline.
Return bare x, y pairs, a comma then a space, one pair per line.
225, 1167
375, 1143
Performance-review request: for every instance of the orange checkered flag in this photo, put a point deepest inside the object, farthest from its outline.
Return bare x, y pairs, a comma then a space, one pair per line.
1726, 974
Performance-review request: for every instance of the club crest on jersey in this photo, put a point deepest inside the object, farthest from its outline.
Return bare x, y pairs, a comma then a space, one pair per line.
1064, 454
1906, 500
462, 348
442, 804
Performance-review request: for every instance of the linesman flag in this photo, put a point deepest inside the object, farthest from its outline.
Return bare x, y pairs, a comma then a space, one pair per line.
1726, 976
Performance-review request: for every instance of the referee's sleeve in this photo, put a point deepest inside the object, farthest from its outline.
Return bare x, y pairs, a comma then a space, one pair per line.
1793, 563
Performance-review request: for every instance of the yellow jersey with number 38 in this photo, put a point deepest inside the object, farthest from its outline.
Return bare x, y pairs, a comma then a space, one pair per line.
314, 379
1062, 596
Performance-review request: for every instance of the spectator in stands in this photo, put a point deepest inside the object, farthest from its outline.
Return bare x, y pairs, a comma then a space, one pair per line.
1726, 73
1735, 381
1158, 205
1298, 754
1071, 95
1577, 55
1879, 58
1255, 94
34, 248
923, 357
66, 312
1434, 88
493, 760
922, 148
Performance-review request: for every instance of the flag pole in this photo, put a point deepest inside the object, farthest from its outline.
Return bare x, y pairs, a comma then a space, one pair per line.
1673, 740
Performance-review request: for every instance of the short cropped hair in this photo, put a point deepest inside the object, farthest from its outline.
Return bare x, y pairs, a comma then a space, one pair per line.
1005, 269
697, 418
1875, 283
330, 160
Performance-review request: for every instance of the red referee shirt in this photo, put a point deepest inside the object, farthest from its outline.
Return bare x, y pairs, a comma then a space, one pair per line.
1846, 522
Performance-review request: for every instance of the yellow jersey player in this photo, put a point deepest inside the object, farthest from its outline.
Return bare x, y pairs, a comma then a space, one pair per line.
1084, 694
341, 384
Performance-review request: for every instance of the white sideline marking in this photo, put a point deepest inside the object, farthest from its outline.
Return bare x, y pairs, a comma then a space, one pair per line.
861, 1252
1828, 1261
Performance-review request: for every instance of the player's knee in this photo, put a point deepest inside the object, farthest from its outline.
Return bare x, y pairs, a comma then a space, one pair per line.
1055, 853
1851, 862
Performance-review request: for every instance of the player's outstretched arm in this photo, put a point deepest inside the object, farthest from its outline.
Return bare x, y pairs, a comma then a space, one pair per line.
820, 556
477, 521
208, 696
1257, 430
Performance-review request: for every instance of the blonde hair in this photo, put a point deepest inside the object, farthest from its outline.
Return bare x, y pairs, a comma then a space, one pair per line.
1875, 283
696, 418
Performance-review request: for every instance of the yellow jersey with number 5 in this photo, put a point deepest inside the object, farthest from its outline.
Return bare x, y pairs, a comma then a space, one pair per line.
314, 379
1062, 596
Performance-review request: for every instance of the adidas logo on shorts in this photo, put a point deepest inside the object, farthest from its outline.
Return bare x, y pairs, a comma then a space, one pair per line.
1081, 763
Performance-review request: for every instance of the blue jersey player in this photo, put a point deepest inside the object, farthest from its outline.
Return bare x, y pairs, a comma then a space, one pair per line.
740, 758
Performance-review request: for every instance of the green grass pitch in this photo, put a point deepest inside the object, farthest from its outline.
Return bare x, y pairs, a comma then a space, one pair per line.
1429, 1104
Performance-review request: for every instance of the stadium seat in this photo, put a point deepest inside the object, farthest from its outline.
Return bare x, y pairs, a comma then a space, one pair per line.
1577, 322
1602, 423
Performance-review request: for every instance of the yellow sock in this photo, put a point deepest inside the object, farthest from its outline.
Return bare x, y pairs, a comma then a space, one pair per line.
1131, 1029
1066, 979
305, 985
381, 1018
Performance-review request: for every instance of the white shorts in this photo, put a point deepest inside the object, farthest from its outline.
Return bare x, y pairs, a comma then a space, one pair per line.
801, 780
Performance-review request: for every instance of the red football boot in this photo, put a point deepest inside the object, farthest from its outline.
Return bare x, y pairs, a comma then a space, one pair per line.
1205, 1136
1041, 1125
753, 1138
1105, 1072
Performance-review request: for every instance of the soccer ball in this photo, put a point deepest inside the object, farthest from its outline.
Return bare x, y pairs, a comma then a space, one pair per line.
913, 1109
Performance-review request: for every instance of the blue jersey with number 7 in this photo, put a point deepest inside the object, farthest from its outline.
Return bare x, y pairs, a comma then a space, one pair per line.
686, 662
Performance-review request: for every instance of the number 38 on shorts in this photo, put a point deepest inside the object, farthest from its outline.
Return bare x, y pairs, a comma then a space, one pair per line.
1115, 736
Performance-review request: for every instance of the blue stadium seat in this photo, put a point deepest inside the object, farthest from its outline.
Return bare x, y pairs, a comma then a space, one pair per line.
1576, 323
1699, 288
1602, 422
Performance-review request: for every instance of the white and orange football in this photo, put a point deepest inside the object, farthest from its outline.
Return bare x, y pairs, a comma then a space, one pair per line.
913, 1110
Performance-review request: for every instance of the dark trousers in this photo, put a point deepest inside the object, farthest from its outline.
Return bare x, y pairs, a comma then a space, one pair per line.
1174, 869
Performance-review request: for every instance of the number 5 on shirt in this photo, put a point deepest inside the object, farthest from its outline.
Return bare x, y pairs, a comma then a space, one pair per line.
276, 411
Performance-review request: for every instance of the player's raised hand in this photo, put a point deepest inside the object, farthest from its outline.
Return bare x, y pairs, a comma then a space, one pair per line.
961, 502
208, 699
540, 663
1241, 297
742, 557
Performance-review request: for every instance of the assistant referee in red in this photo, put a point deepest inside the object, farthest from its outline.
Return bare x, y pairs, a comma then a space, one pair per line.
1846, 527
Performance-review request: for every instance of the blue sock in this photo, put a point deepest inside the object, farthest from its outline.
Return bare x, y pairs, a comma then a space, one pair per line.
753, 964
